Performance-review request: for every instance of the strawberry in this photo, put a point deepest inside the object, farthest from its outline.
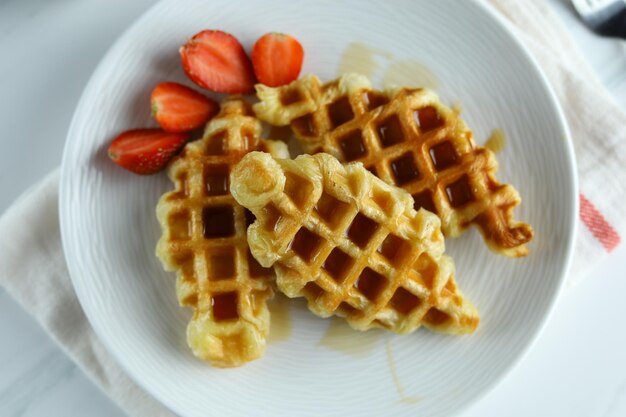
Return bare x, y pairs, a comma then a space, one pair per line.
215, 60
277, 59
145, 151
180, 109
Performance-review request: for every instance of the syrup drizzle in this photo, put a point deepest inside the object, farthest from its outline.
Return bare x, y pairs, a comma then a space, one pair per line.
282, 133
280, 325
340, 337
360, 58
408, 73
407, 399
496, 141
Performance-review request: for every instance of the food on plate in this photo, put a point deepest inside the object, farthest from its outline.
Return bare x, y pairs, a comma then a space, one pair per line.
215, 60
178, 108
145, 151
351, 244
356, 225
408, 138
277, 59
204, 241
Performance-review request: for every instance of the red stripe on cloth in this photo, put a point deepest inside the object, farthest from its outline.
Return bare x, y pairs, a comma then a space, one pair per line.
597, 224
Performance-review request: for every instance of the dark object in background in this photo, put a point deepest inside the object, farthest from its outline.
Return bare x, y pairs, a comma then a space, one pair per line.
605, 17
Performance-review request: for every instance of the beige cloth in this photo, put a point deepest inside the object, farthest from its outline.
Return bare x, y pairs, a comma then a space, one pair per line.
597, 124
42, 284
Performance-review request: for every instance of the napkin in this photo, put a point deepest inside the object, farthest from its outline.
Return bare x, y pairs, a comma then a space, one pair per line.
33, 270
597, 126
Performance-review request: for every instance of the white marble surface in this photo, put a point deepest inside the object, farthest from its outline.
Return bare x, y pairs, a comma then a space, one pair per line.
48, 49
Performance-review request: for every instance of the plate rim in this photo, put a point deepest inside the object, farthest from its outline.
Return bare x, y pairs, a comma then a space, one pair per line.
508, 368
574, 203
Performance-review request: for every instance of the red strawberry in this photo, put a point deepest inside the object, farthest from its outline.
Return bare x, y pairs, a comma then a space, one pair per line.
215, 60
180, 109
145, 151
277, 59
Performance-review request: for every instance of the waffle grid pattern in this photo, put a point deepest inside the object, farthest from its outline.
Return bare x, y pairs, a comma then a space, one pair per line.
204, 239
353, 246
409, 139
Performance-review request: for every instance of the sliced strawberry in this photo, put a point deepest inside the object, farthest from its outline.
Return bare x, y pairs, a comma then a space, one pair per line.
277, 59
215, 60
178, 108
145, 151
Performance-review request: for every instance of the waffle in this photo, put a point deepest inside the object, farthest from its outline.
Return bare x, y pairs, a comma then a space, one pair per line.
409, 139
204, 240
350, 243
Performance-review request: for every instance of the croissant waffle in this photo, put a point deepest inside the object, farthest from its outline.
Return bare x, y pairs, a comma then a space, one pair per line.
351, 244
204, 240
409, 139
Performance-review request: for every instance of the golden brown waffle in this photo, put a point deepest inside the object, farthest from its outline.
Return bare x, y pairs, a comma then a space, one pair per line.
409, 139
204, 240
350, 243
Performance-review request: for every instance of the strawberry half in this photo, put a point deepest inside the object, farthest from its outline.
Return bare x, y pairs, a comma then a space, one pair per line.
277, 59
178, 108
145, 151
215, 60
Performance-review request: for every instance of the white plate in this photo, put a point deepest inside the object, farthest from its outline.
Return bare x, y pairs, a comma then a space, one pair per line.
318, 368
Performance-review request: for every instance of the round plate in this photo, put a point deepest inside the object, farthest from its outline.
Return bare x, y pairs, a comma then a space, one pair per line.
313, 366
